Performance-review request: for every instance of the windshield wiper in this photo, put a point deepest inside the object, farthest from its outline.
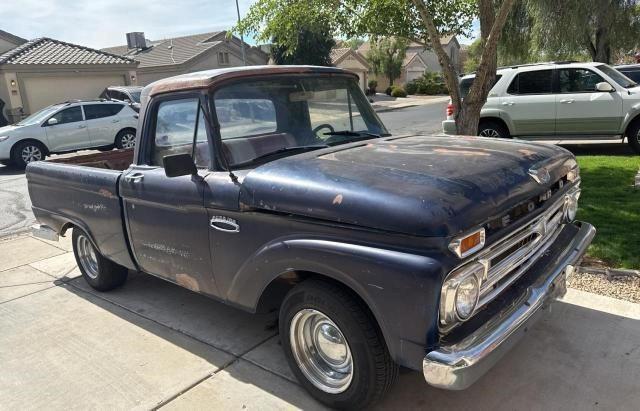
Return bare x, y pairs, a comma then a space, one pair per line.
359, 135
296, 149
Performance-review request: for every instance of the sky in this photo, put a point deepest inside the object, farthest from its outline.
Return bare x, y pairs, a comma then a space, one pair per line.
103, 23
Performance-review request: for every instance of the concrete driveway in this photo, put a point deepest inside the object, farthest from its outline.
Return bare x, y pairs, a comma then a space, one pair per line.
152, 344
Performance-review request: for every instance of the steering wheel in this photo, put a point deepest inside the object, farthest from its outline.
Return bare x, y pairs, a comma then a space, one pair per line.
320, 127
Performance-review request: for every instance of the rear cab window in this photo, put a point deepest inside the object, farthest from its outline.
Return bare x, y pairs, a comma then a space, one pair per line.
532, 82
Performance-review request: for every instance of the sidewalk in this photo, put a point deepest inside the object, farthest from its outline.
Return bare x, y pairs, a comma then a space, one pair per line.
383, 103
152, 344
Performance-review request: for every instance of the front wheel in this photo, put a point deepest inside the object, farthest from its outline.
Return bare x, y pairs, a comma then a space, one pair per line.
126, 139
100, 273
27, 152
633, 136
334, 346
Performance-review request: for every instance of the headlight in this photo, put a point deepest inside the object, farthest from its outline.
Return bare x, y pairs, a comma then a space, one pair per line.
3, 138
570, 207
460, 293
573, 174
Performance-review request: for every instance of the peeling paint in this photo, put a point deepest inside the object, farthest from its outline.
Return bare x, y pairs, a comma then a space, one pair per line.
187, 281
167, 250
338, 199
94, 207
106, 193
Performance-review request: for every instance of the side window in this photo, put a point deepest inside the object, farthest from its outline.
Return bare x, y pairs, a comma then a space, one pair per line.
578, 80
465, 85
245, 117
532, 82
69, 115
632, 74
95, 111
180, 129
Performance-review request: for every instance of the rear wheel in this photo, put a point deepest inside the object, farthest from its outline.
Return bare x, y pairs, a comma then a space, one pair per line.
126, 139
100, 273
26, 152
334, 346
633, 136
494, 129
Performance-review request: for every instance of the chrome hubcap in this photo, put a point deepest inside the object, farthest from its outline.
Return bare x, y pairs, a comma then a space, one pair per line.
31, 153
87, 256
128, 140
489, 132
321, 351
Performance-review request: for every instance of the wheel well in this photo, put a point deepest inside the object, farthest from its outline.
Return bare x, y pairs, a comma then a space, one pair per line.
493, 120
125, 129
632, 123
33, 140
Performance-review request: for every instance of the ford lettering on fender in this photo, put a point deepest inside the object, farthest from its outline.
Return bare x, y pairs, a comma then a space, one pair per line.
278, 188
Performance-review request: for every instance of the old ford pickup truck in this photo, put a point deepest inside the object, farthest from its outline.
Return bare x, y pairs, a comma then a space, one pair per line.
278, 188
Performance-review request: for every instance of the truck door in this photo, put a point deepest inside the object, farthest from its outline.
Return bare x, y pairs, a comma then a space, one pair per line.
166, 220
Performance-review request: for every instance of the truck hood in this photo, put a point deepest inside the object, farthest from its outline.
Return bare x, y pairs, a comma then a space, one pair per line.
416, 185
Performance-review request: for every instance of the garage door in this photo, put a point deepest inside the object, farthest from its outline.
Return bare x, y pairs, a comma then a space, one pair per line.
43, 91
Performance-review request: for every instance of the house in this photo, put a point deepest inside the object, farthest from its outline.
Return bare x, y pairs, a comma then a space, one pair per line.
173, 56
348, 59
8, 41
418, 60
44, 71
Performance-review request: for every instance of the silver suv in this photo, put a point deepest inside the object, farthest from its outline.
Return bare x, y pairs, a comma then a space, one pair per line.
558, 100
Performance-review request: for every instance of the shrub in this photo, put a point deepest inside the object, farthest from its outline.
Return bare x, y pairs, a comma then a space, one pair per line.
430, 83
388, 90
372, 85
398, 92
411, 87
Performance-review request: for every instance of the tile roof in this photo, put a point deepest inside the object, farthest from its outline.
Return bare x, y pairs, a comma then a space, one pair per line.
45, 50
408, 58
366, 46
12, 38
337, 54
171, 51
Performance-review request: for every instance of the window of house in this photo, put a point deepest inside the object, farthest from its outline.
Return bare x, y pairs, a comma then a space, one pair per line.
532, 82
578, 80
223, 58
69, 115
181, 129
95, 111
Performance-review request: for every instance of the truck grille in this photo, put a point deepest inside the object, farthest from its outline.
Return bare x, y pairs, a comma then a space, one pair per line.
510, 257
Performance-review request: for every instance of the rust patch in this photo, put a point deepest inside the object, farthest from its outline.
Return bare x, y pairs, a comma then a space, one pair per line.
186, 281
464, 153
526, 152
338, 199
105, 193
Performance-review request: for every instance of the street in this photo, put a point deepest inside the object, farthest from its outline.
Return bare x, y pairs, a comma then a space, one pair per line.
419, 119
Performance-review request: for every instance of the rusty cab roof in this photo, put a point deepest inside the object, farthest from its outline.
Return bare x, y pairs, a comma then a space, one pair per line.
209, 78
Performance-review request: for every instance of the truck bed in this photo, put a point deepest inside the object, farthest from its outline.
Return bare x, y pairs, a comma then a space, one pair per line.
83, 191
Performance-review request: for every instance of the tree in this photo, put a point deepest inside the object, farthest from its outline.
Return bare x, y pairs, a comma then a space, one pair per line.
386, 56
353, 43
572, 29
312, 47
420, 21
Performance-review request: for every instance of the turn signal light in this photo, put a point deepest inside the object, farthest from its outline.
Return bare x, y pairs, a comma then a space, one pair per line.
468, 244
450, 109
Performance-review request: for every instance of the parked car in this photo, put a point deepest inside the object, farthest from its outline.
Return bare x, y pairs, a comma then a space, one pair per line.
630, 70
377, 251
127, 94
66, 127
559, 100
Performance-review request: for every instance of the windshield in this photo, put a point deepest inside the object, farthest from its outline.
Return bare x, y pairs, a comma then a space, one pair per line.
135, 96
616, 76
39, 116
265, 119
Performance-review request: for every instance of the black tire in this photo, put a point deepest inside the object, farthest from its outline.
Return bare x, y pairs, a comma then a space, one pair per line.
492, 128
101, 274
124, 137
373, 369
633, 136
20, 153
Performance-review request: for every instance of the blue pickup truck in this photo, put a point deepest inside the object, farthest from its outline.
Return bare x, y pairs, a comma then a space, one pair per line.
279, 188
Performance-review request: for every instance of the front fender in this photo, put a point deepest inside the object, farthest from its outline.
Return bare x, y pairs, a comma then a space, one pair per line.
401, 289
631, 114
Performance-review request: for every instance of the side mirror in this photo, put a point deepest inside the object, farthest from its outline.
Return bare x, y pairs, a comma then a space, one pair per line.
52, 121
177, 165
604, 87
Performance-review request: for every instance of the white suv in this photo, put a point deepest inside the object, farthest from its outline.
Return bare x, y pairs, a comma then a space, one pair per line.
559, 100
68, 127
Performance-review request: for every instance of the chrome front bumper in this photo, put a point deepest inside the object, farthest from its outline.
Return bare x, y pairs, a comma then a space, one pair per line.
457, 366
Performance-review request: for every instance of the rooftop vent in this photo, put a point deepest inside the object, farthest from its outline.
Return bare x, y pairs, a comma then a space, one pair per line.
136, 40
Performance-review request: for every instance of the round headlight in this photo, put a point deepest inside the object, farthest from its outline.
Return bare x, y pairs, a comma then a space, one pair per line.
570, 207
467, 297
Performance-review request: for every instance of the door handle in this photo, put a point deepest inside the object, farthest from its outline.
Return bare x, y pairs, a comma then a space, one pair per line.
134, 178
82, 126
115, 121
567, 101
508, 103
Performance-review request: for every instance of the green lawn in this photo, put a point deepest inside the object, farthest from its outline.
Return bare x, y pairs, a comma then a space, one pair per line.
612, 205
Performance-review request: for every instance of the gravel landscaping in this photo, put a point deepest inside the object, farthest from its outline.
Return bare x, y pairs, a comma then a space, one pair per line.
622, 287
